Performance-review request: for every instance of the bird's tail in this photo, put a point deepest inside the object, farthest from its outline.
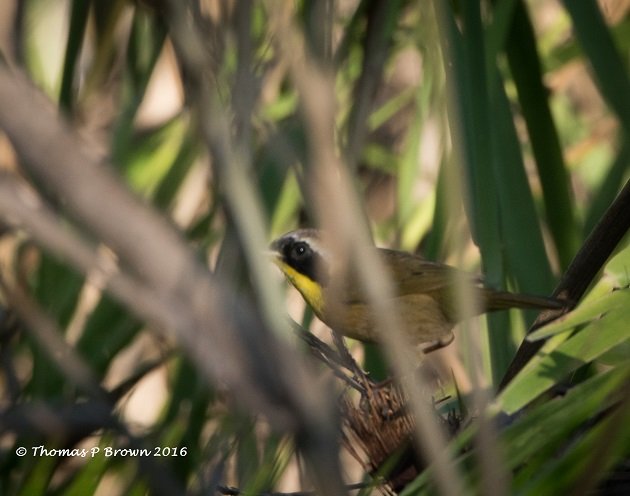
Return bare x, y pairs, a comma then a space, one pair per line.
502, 300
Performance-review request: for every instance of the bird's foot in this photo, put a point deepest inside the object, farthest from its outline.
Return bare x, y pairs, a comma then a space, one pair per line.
437, 344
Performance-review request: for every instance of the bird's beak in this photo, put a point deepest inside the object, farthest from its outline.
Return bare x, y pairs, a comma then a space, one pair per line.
274, 252
273, 255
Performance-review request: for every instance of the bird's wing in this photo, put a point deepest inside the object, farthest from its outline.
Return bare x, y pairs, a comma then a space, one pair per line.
415, 275
410, 274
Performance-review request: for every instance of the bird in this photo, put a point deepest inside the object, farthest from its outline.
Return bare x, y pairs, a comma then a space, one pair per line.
424, 291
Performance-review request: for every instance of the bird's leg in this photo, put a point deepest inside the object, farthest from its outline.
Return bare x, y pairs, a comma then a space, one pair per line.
437, 344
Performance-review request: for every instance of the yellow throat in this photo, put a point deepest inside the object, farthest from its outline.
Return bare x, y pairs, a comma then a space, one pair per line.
309, 289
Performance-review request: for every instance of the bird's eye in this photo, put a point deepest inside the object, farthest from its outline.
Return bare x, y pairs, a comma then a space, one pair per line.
302, 258
300, 251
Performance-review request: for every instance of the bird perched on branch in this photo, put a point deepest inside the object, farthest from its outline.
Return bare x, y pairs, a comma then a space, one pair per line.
425, 295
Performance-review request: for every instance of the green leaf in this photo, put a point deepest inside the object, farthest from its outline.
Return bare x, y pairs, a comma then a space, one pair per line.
561, 355
78, 24
538, 437
587, 312
526, 70
608, 65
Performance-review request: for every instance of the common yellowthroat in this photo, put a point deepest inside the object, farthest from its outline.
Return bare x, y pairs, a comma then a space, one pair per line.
424, 291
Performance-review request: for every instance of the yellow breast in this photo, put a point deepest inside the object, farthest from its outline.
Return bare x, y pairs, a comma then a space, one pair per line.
309, 289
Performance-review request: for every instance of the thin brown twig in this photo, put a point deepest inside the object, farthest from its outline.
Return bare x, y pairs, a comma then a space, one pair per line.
177, 292
332, 359
313, 413
338, 208
49, 337
375, 52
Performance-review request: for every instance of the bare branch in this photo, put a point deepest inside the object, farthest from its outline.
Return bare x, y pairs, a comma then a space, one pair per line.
317, 440
222, 334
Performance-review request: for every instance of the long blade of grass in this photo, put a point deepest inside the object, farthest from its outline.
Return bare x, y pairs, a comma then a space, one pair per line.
606, 61
526, 71
561, 356
610, 187
76, 33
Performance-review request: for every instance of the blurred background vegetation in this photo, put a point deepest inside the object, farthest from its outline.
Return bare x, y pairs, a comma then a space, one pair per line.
524, 105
